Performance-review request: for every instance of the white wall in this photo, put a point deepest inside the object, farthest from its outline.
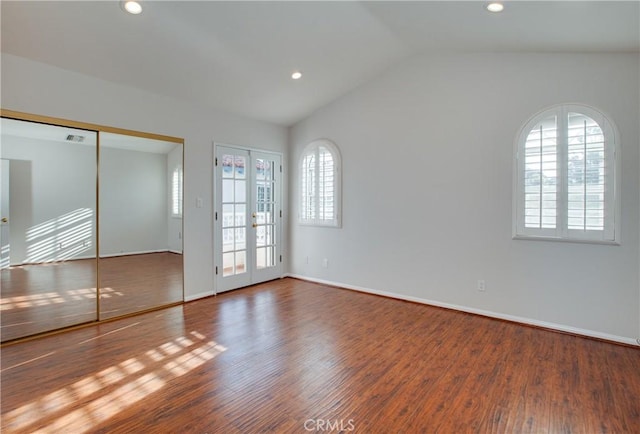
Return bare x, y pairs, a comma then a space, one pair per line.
133, 202
52, 199
427, 154
52, 179
41, 89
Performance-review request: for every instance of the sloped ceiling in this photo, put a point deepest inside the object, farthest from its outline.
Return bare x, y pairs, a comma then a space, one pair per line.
238, 56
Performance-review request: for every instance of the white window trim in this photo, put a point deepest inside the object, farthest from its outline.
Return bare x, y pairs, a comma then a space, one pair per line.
612, 232
313, 147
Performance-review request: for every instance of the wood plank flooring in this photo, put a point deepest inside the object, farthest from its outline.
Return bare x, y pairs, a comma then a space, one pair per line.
137, 282
293, 357
43, 297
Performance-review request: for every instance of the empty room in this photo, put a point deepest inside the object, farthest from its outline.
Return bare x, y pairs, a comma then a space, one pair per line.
320, 216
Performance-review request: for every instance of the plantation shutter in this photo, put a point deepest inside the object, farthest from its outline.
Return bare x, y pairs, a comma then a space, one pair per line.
176, 192
541, 175
566, 176
586, 174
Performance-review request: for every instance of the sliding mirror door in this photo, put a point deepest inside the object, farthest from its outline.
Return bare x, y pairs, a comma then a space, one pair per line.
140, 224
48, 228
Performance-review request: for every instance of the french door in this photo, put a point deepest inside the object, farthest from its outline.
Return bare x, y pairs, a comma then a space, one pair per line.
247, 217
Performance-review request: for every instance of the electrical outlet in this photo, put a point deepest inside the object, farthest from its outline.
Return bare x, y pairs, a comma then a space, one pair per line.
481, 285
325, 263
198, 202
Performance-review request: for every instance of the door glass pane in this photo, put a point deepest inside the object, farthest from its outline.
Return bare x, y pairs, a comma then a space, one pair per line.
241, 239
227, 190
240, 163
234, 214
268, 213
265, 257
227, 215
269, 237
227, 166
259, 170
260, 257
241, 191
227, 264
268, 170
265, 206
240, 215
227, 240
241, 260
260, 236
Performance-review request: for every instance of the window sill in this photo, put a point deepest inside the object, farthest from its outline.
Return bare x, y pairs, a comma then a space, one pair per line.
320, 225
565, 240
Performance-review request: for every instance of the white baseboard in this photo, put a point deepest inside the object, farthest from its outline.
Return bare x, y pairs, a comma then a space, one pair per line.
199, 295
110, 255
75, 258
487, 313
142, 252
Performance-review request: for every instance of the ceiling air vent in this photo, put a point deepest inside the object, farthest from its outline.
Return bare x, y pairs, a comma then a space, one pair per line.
75, 138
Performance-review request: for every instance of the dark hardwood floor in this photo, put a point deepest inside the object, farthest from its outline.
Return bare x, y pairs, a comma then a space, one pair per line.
293, 357
42, 297
137, 282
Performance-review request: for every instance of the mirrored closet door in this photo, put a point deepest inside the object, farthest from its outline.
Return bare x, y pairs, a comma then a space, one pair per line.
48, 228
85, 209
140, 224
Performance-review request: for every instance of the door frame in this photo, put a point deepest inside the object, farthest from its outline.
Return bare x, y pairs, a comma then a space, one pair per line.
5, 213
216, 217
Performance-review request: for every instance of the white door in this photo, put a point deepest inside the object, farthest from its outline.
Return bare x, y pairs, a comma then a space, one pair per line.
247, 217
5, 246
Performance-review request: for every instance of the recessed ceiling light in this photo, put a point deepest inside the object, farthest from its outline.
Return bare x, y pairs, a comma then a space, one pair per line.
132, 7
495, 7
296, 75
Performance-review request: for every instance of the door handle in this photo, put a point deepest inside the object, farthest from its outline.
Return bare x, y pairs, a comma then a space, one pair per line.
253, 215
255, 225
5, 220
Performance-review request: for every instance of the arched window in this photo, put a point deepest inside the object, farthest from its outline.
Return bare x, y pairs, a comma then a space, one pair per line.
567, 166
320, 184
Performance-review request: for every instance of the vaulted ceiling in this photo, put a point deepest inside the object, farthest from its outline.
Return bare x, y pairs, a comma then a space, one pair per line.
239, 56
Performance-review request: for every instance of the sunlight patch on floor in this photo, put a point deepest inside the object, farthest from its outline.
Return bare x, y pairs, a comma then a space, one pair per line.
98, 401
48, 298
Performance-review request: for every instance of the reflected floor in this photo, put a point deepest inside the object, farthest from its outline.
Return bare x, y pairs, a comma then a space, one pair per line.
133, 283
37, 298
43, 297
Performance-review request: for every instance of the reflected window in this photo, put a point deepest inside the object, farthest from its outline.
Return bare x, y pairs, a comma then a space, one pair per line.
176, 192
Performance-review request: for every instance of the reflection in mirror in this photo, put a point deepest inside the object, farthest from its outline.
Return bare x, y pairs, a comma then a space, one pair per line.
140, 224
48, 224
